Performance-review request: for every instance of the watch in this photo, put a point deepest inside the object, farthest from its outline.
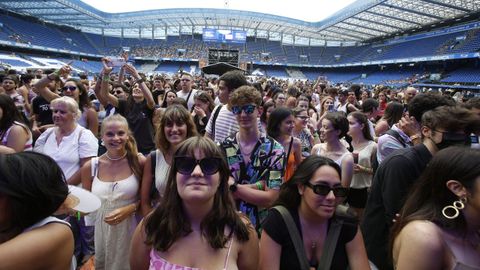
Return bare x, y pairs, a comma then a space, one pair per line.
233, 188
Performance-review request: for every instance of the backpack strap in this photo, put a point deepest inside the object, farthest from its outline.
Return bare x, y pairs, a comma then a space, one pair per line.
295, 236
397, 136
214, 119
153, 188
330, 244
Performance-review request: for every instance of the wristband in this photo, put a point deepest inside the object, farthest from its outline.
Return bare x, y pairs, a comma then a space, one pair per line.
259, 185
139, 81
106, 77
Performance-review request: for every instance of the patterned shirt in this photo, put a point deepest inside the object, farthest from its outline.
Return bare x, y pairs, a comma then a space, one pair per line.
266, 164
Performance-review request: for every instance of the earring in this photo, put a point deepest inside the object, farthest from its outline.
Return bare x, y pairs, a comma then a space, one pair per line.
456, 207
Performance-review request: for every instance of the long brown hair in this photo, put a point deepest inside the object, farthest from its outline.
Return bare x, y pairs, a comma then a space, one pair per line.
130, 146
430, 195
168, 222
173, 114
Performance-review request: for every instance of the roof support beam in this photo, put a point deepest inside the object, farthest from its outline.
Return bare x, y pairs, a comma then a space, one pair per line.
357, 38
412, 11
446, 5
391, 17
351, 30
365, 27
379, 23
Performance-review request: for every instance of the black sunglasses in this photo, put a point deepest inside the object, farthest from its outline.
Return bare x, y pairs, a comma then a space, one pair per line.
323, 190
186, 165
248, 109
70, 88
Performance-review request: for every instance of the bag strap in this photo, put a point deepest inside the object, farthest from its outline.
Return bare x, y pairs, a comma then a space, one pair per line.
397, 136
295, 236
330, 245
214, 119
153, 160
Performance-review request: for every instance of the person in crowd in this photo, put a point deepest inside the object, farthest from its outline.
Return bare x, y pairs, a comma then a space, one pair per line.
391, 115
363, 149
32, 188
267, 109
71, 146
441, 127
255, 160
438, 227
326, 105
409, 94
10, 84
176, 125
343, 104
170, 95
25, 89
41, 112
280, 127
310, 198
202, 110
304, 131
407, 132
115, 178
370, 109
211, 92
187, 92
382, 102
158, 91
15, 136
72, 88
223, 123
279, 99
363, 96
138, 108
197, 226
333, 128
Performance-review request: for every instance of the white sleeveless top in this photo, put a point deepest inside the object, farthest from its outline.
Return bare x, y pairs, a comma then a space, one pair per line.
161, 173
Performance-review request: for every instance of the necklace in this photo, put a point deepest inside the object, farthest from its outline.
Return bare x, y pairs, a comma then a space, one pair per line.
115, 159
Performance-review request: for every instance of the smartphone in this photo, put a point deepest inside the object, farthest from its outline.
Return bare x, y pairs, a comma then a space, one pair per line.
330, 108
116, 62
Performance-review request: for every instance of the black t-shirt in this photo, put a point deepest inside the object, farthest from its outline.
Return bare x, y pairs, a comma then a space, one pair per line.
276, 228
139, 118
390, 186
156, 93
41, 107
200, 127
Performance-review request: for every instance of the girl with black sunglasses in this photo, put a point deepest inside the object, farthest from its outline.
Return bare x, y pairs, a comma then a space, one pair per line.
309, 199
196, 225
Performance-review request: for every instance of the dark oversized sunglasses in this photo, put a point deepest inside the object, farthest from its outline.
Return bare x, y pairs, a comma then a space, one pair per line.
186, 165
323, 190
70, 88
248, 109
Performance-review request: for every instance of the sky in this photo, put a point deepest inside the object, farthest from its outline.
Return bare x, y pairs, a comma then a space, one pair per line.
306, 10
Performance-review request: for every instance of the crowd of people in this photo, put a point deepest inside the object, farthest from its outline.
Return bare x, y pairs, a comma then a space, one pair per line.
235, 173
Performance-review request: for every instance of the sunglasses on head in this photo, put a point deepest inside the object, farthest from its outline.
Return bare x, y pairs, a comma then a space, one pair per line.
186, 165
248, 109
323, 190
70, 88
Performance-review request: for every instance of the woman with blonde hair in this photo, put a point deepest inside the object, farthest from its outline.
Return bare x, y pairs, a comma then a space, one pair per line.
176, 125
71, 146
115, 178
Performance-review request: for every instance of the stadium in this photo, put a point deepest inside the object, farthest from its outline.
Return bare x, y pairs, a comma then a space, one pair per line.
430, 43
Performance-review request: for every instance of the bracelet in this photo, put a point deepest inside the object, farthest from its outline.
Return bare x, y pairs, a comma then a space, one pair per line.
259, 185
139, 81
106, 77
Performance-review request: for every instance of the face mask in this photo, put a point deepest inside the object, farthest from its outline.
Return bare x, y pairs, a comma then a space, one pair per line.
453, 139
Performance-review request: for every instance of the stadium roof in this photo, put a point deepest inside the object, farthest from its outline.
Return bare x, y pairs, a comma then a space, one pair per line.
359, 22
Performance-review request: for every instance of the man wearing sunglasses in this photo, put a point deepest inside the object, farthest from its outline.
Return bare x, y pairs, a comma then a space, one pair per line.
255, 161
187, 93
442, 127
